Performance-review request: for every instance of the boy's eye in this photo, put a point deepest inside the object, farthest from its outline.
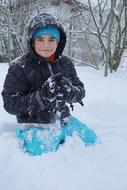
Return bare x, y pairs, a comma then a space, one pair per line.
52, 40
39, 39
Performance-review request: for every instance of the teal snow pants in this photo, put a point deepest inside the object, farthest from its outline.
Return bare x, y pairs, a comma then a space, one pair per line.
37, 141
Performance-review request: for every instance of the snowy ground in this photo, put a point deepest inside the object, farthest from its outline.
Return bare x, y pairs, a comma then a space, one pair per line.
74, 166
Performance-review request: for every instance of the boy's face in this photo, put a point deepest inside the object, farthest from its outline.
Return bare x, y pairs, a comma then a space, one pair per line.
45, 46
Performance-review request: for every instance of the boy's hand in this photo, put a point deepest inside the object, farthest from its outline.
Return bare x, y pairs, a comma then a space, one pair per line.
48, 94
65, 86
68, 92
48, 89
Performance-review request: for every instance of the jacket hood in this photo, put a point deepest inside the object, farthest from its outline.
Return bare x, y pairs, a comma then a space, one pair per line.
43, 20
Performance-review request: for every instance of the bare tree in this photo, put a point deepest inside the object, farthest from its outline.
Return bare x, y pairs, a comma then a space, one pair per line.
15, 18
111, 31
121, 35
12, 39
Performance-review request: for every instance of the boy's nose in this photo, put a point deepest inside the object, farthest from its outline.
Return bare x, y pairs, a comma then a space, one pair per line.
45, 44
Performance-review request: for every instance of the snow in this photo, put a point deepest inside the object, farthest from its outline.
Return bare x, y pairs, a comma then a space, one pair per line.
74, 166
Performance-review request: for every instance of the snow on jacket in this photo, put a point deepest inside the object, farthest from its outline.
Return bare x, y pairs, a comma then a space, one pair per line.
27, 74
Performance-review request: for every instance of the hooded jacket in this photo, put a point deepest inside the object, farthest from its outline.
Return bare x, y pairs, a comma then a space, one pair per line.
27, 74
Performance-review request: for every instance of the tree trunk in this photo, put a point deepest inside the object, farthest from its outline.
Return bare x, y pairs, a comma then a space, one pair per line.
120, 48
68, 2
55, 2
108, 52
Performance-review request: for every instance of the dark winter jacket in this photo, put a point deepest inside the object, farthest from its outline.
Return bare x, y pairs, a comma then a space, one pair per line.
28, 73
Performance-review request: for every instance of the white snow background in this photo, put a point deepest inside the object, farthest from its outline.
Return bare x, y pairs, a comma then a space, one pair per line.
74, 166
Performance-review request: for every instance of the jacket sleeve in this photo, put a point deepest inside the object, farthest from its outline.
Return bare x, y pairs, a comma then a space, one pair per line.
78, 86
16, 96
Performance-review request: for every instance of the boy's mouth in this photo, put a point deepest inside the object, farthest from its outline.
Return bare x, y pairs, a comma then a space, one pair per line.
46, 50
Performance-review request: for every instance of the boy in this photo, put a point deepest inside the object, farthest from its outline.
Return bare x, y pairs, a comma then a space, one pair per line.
40, 83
